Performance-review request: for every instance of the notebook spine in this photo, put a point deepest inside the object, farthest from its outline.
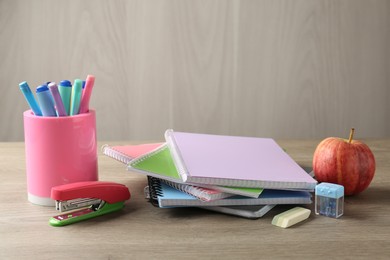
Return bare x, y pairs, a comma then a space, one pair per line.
181, 169
154, 189
111, 152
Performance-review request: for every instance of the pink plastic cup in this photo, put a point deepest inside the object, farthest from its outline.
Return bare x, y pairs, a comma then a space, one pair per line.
59, 150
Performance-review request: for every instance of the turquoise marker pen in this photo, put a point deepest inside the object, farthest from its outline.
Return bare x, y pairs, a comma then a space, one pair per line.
46, 101
76, 97
65, 89
30, 98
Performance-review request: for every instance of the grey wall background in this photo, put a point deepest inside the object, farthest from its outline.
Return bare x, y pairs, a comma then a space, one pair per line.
276, 68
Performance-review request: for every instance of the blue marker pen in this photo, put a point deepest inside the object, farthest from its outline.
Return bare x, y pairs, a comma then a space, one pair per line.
65, 89
76, 97
30, 98
45, 101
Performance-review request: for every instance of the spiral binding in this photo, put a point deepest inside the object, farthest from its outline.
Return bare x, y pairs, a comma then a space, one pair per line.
111, 152
201, 193
155, 190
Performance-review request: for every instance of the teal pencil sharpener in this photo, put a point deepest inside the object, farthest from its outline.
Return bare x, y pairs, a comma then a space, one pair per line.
329, 200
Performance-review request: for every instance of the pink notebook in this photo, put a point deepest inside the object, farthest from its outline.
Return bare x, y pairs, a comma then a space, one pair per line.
126, 153
235, 161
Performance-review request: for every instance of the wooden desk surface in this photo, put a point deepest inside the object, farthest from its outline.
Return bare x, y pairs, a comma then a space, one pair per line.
141, 231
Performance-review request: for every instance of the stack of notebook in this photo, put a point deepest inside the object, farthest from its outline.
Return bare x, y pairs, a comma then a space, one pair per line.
217, 172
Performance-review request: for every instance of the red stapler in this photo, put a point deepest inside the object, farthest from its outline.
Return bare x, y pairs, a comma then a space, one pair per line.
90, 199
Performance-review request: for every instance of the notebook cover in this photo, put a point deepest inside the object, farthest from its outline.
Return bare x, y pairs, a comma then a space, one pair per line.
235, 161
169, 197
126, 153
159, 164
251, 212
201, 193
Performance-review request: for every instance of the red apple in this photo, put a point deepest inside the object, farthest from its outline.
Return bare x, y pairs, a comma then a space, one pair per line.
346, 162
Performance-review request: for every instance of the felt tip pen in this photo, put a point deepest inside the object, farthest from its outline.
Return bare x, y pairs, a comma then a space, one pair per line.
84, 106
45, 101
65, 89
57, 99
30, 98
76, 97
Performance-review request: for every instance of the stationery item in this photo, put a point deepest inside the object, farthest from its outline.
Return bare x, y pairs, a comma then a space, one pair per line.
235, 161
91, 199
87, 91
201, 193
45, 101
251, 212
126, 153
168, 197
59, 150
76, 97
65, 89
57, 99
30, 98
291, 217
329, 200
158, 163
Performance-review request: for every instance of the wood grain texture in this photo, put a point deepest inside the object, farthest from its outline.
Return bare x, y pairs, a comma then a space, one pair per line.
282, 69
141, 231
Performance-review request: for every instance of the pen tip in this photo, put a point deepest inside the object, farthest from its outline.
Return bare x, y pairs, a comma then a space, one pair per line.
52, 84
78, 83
42, 88
90, 77
23, 84
65, 83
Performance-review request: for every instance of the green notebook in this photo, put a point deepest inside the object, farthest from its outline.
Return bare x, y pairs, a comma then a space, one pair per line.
159, 164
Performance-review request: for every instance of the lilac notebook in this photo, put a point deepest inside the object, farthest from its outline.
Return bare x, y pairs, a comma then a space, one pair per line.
235, 161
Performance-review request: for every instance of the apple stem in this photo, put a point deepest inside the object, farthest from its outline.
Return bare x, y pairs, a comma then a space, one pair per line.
351, 135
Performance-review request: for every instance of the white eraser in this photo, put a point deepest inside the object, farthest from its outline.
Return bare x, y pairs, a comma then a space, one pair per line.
291, 217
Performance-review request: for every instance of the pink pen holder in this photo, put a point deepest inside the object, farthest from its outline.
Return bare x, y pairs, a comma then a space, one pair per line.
59, 150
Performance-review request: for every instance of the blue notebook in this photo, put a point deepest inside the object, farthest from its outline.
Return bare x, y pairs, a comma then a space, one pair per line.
168, 197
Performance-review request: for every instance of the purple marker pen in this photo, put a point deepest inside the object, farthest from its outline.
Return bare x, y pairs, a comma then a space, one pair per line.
57, 99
